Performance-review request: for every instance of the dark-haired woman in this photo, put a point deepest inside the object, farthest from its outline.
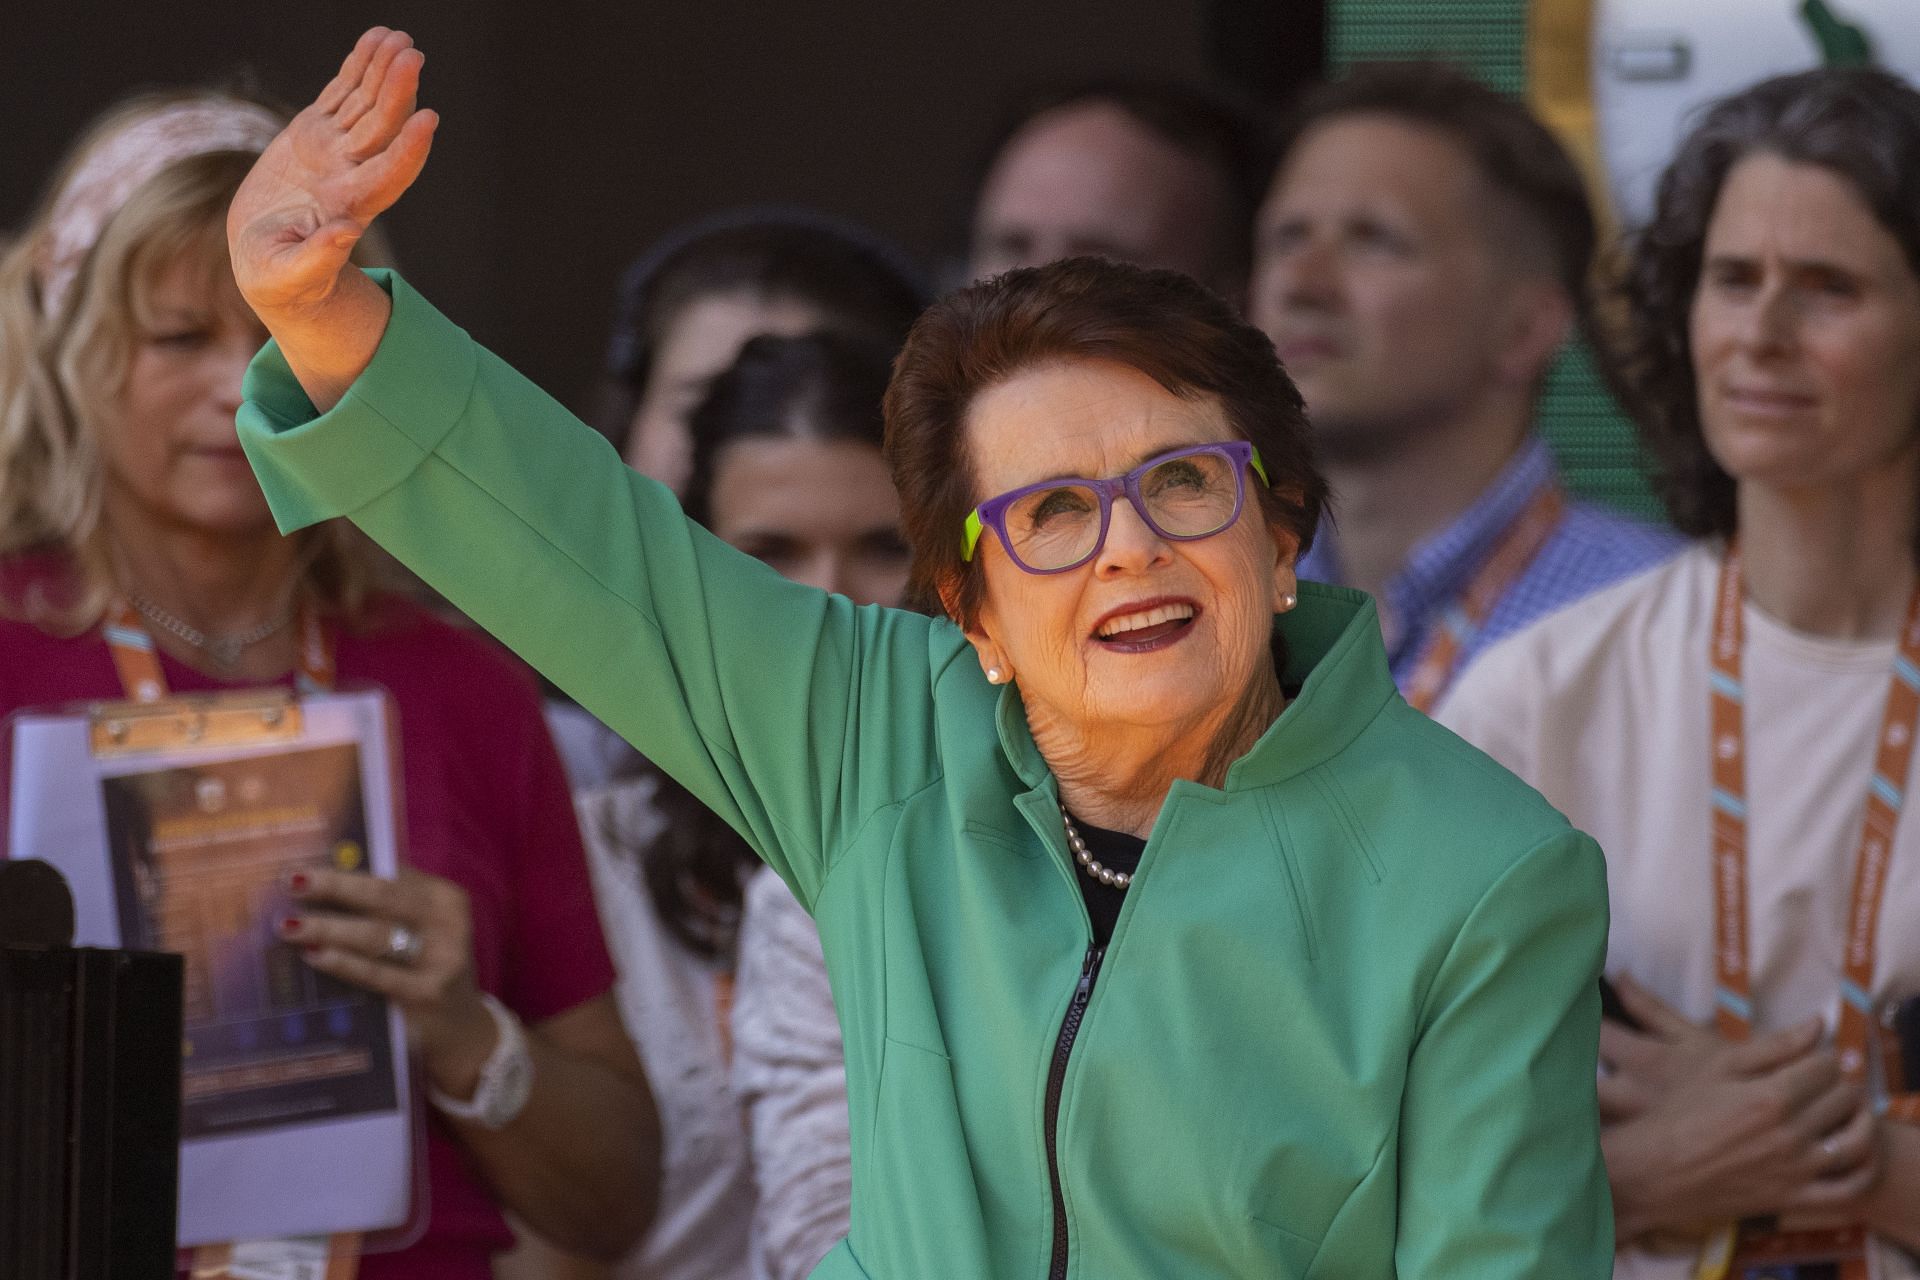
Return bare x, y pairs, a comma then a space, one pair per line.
1167, 940
687, 306
786, 467
1737, 727
684, 310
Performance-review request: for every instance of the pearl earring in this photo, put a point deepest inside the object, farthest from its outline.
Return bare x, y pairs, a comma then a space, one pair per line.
1288, 600
993, 675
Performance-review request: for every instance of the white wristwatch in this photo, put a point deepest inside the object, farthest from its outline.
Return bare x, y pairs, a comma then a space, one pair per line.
505, 1081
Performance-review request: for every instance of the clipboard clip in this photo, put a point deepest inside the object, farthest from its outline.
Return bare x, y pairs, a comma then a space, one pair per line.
193, 720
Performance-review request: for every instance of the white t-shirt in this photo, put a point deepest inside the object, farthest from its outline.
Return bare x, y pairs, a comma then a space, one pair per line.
790, 1072
671, 1004
1604, 707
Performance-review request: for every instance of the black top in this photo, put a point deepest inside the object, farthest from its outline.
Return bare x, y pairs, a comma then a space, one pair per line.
1117, 851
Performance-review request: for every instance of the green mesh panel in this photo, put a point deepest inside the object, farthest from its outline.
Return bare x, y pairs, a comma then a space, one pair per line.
1598, 452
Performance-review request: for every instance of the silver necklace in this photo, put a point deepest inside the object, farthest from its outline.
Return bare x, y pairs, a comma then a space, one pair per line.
224, 650
1091, 865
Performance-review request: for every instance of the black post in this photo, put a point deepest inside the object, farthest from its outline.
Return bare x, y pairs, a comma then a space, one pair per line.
89, 1096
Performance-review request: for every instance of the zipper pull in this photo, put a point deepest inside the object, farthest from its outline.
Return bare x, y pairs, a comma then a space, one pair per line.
1087, 967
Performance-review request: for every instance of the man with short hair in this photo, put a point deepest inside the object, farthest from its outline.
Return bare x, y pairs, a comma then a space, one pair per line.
1421, 257
1156, 174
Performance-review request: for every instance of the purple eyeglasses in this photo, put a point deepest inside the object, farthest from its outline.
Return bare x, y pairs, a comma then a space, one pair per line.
1058, 525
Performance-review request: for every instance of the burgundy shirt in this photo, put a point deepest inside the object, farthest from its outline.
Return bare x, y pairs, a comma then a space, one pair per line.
486, 807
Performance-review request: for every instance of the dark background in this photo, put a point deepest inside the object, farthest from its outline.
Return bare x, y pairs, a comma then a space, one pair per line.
574, 134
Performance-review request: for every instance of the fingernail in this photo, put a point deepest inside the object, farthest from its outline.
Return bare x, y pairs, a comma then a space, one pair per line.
290, 925
297, 882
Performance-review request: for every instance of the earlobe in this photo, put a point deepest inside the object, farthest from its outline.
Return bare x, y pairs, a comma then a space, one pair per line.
1286, 588
1286, 582
998, 670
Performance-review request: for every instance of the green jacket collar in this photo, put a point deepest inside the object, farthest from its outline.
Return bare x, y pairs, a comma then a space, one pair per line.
1336, 656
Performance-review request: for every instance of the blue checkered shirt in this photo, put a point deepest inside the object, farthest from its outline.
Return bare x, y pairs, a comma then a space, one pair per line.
1591, 548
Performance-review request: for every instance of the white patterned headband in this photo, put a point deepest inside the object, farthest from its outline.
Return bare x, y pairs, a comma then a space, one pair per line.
120, 164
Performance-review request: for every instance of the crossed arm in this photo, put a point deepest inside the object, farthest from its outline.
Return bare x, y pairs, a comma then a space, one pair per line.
1699, 1131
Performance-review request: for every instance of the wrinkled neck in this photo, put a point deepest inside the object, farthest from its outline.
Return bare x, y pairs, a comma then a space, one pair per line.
1118, 776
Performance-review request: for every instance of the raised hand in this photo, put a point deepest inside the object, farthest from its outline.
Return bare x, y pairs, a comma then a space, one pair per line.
340, 164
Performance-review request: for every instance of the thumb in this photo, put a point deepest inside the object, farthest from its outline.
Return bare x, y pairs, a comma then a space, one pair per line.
1776, 1049
290, 270
339, 235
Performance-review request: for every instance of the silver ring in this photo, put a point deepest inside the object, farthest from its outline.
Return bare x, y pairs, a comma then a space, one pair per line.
403, 945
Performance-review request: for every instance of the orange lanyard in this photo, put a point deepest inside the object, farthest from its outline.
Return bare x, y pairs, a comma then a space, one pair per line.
1732, 950
1518, 547
138, 661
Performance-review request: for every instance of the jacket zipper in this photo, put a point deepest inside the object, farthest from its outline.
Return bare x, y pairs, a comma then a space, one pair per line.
1056, 1079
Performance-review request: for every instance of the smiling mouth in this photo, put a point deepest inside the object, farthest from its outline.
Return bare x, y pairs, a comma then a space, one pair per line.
1146, 627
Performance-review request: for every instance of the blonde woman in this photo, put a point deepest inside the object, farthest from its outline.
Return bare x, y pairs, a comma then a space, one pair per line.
125, 500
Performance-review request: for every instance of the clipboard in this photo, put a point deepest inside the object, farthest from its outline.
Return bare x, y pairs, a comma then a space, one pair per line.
177, 823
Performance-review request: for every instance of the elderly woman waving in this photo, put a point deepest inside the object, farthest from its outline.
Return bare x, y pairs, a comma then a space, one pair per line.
1166, 939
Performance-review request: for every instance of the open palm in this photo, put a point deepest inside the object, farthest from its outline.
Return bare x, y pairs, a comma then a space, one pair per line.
318, 186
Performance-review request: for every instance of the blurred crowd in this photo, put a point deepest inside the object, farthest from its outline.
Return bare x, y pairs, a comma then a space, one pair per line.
1717, 699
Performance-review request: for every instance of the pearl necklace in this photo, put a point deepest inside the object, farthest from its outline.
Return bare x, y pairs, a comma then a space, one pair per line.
1091, 865
225, 650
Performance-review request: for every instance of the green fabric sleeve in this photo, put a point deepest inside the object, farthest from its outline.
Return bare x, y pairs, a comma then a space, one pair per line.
743, 685
1500, 1168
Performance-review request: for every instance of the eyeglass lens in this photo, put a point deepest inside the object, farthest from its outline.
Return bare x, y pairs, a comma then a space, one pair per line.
1186, 497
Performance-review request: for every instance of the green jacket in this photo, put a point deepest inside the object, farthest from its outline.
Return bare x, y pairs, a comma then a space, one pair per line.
1348, 1020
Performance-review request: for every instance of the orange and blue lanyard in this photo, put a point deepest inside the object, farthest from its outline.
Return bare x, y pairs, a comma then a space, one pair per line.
1751, 1246
1519, 546
137, 659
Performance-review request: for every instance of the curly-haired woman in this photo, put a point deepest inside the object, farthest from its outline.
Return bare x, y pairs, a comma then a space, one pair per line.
1736, 727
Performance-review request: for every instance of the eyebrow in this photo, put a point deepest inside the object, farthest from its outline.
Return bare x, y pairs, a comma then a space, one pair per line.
1138, 461
1793, 264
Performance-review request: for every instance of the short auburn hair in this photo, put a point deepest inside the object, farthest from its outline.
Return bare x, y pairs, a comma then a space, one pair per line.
1161, 323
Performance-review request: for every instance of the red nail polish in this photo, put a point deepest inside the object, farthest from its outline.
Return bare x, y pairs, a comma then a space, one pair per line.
290, 924
311, 948
298, 881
